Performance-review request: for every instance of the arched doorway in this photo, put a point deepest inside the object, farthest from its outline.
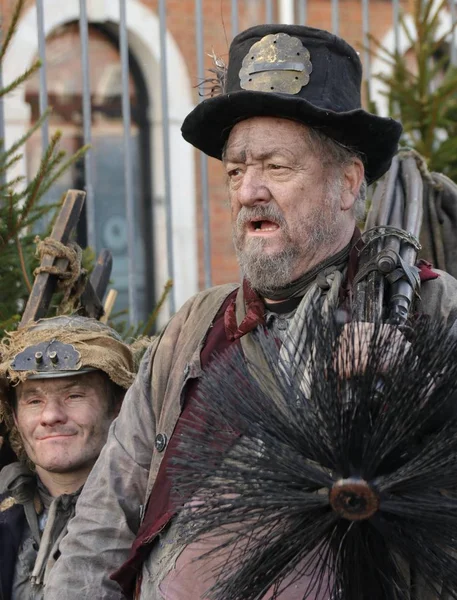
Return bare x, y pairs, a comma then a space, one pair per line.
65, 87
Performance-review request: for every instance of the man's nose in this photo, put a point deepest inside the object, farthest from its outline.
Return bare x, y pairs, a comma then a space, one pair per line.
253, 189
52, 413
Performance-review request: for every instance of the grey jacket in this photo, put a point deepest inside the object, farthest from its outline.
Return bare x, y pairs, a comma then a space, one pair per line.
39, 531
109, 510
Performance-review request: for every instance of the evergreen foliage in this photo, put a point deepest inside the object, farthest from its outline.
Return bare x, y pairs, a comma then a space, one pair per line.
422, 86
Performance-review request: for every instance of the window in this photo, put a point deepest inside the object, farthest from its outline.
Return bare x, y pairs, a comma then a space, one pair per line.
65, 87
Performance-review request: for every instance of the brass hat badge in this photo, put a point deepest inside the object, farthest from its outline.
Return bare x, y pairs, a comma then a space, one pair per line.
276, 63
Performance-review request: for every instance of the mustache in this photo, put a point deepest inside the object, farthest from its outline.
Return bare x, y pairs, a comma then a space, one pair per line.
268, 212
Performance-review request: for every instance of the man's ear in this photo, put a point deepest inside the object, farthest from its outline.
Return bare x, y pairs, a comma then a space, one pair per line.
353, 175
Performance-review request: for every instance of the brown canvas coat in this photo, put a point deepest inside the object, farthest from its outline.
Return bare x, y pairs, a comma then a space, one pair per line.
109, 510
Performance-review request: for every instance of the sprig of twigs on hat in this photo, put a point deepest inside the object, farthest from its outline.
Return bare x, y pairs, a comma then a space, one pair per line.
215, 83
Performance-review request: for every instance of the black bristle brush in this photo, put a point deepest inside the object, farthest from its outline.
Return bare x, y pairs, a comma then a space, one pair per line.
341, 486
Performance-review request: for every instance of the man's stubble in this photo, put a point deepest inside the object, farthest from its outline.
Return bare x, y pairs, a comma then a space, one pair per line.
265, 271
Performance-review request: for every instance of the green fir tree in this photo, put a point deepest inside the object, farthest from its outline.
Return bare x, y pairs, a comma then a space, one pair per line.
421, 87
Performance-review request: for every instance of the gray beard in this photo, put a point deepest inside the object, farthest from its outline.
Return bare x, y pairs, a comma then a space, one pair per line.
263, 271
267, 272
270, 272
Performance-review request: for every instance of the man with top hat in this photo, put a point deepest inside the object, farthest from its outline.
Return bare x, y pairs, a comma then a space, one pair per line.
62, 382
298, 151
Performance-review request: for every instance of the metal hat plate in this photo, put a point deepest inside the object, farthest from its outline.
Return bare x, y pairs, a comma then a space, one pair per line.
47, 357
277, 63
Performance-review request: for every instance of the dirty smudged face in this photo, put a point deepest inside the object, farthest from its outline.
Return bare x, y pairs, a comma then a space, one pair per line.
64, 421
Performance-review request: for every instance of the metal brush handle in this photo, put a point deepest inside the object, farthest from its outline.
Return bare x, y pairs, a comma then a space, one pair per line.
388, 280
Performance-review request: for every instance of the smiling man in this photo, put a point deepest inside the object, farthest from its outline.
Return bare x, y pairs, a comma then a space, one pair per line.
62, 382
298, 151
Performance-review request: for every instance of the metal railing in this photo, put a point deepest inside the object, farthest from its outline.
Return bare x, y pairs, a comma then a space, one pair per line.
298, 11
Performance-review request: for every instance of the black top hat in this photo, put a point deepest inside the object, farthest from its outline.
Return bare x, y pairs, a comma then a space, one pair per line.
300, 73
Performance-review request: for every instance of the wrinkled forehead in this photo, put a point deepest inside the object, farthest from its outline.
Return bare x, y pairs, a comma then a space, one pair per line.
265, 135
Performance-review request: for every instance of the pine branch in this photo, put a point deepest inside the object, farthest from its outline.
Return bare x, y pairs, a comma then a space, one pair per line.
41, 211
22, 140
11, 184
438, 43
438, 68
12, 28
7, 166
64, 167
379, 46
34, 192
430, 23
17, 82
404, 27
421, 111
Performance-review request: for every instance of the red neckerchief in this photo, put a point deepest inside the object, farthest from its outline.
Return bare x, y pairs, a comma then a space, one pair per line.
255, 314
426, 270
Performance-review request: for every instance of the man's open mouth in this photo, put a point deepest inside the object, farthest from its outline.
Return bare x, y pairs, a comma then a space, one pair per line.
263, 225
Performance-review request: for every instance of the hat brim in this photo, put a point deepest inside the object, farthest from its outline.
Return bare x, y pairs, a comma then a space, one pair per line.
375, 138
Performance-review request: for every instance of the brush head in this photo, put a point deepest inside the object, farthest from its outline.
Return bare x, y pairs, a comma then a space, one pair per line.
302, 476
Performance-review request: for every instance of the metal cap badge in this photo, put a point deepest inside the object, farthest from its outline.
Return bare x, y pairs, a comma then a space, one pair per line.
276, 63
48, 357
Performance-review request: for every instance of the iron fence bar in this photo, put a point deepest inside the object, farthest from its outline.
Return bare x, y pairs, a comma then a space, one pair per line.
268, 11
128, 174
302, 12
335, 17
286, 11
234, 5
87, 121
166, 147
366, 39
43, 95
396, 19
453, 12
203, 157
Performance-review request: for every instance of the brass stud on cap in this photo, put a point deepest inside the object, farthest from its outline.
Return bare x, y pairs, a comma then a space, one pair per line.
54, 358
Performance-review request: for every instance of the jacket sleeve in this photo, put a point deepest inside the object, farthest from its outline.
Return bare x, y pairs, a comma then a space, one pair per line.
439, 299
108, 511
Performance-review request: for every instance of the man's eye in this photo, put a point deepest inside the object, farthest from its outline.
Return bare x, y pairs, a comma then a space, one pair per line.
233, 173
75, 395
32, 402
275, 167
